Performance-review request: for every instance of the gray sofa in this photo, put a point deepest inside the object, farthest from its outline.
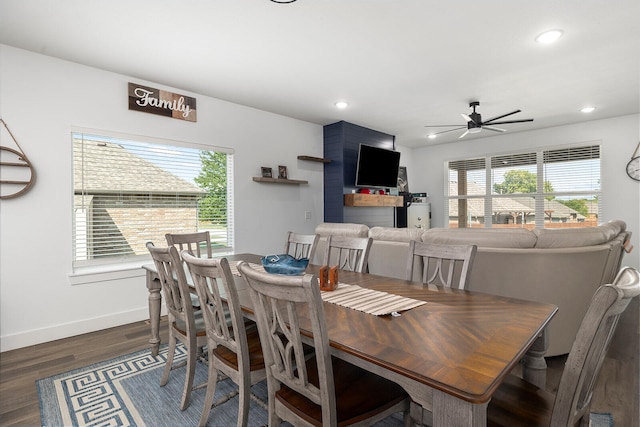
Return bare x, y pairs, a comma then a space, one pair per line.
558, 266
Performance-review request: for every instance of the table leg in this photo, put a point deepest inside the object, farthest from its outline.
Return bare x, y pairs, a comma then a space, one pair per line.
155, 301
534, 367
450, 411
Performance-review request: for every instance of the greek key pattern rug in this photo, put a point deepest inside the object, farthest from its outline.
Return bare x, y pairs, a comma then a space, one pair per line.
126, 392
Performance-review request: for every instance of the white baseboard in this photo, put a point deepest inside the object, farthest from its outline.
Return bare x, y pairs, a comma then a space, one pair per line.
52, 333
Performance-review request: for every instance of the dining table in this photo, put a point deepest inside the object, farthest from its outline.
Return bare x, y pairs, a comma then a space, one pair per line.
450, 352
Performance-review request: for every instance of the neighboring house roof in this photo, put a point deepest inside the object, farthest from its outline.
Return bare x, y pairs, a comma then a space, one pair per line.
506, 204
110, 168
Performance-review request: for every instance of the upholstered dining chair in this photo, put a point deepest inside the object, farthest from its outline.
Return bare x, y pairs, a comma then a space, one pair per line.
186, 325
233, 349
316, 390
348, 253
301, 245
197, 244
519, 403
441, 264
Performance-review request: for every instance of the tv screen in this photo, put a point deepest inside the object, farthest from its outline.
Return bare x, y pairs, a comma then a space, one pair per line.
377, 167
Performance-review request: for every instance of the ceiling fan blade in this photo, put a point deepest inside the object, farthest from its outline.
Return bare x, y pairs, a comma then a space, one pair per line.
493, 129
464, 134
440, 126
499, 117
467, 118
510, 121
449, 130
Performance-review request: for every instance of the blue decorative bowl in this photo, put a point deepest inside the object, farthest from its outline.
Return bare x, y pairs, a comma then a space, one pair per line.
284, 264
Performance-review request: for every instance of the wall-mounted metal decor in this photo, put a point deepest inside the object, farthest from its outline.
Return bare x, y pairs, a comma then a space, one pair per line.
17, 174
162, 102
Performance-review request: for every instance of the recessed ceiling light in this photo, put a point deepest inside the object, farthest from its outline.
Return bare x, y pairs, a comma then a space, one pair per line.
588, 109
549, 37
432, 136
342, 104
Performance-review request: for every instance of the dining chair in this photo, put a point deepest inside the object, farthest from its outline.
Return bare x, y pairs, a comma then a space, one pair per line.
348, 253
519, 403
186, 324
316, 389
301, 245
233, 348
441, 264
197, 244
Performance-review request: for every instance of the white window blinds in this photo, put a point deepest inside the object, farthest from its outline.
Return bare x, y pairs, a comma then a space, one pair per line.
128, 192
544, 188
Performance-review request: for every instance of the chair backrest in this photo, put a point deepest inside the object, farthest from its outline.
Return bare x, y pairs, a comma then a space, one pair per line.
573, 399
301, 245
194, 243
441, 264
213, 280
174, 284
278, 302
348, 253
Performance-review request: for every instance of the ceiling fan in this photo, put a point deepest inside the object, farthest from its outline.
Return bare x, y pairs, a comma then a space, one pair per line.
475, 123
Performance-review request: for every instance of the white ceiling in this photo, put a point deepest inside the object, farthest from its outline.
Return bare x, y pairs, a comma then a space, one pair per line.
401, 64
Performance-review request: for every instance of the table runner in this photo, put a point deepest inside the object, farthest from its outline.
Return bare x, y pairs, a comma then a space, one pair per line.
369, 301
233, 266
355, 297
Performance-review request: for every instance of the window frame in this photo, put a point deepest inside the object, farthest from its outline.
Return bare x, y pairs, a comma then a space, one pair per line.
489, 196
105, 264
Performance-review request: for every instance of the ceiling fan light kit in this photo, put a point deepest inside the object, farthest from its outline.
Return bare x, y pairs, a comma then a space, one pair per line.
475, 123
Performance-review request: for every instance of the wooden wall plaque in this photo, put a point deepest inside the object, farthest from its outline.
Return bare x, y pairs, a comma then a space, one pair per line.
161, 102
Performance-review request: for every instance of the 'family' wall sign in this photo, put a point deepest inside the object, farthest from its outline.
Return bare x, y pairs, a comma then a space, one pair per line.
161, 102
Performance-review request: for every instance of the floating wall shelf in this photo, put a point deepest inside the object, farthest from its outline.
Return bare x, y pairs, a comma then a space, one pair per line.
278, 180
314, 159
358, 199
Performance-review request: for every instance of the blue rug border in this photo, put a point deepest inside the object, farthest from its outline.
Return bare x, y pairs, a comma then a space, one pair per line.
42, 383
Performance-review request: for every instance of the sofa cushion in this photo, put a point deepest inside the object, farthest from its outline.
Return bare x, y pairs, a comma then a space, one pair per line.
389, 234
342, 229
482, 237
576, 237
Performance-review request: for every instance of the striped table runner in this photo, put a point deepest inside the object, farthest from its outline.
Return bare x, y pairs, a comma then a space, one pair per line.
233, 266
368, 300
353, 296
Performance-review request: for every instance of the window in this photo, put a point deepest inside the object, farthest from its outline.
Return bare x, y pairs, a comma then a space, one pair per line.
546, 188
129, 191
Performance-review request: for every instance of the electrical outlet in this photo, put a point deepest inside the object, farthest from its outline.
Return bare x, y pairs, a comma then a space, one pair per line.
307, 214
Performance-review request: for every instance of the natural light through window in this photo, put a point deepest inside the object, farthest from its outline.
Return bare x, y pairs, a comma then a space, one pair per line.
129, 191
546, 188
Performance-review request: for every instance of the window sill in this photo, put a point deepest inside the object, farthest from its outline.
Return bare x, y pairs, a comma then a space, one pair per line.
106, 273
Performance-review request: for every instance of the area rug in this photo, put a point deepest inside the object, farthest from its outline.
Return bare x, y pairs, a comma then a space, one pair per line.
125, 392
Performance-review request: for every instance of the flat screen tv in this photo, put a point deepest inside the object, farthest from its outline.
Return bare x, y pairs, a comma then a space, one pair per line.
377, 167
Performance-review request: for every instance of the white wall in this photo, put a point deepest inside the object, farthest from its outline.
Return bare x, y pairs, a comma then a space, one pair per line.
41, 99
618, 138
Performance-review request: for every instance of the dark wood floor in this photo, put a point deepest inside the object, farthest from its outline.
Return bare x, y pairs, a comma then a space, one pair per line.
617, 390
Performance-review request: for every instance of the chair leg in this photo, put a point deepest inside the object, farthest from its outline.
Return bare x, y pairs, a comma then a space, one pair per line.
211, 391
243, 399
188, 381
169, 365
274, 419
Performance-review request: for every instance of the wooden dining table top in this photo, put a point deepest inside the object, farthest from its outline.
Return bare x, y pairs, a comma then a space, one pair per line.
462, 343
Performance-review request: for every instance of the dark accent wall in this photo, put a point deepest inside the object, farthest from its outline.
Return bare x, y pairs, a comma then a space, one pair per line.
341, 142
